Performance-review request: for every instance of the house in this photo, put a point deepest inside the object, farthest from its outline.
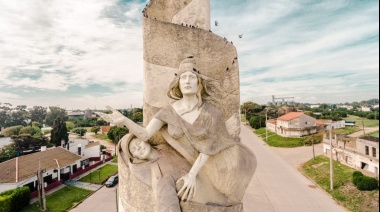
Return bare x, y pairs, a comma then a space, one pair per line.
359, 153
84, 148
76, 114
314, 106
293, 124
366, 109
333, 124
57, 162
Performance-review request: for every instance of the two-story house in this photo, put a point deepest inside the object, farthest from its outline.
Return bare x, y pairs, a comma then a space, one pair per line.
293, 124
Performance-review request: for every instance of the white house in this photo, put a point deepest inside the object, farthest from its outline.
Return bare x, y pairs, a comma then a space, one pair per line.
21, 171
358, 153
293, 124
366, 109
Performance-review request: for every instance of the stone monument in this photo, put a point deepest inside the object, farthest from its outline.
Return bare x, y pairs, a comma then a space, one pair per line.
188, 155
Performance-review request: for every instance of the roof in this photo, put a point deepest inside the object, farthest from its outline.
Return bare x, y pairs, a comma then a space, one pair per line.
290, 116
272, 121
320, 122
105, 128
28, 164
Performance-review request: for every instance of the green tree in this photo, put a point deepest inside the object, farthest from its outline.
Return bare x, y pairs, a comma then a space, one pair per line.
59, 132
70, 125
257, 122
137, 117
54, 113
19, 115
250, 109
80, 131
28, 142
5, 115
116, 133
95, 129
36, 124
38, 113
7, 152
10, 131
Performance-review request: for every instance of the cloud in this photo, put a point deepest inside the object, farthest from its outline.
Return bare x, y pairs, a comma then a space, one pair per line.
85, 53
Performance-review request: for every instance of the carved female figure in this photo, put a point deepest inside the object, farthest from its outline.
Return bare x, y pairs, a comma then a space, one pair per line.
196, 129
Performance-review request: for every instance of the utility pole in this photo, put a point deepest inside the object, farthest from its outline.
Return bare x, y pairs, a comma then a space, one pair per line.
312, 143
331, 163
41, 189
266, 127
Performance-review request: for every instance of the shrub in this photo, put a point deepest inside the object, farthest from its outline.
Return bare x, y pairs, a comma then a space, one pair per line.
1, 135
366, 183
81, 131
70, 125
15, 199
356, 177
9, 131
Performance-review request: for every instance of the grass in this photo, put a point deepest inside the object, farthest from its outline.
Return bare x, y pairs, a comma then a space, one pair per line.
360, 121
345, 192
61, 200
279, 141
114, 159
346, 130
103, 137
374, 134
99, 176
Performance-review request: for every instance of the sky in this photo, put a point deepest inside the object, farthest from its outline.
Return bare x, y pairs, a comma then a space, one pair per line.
88, 53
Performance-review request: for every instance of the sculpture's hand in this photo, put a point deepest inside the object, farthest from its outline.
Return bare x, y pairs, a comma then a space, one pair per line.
115, 117
188, 189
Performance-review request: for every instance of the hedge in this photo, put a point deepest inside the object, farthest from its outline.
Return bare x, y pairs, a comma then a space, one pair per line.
364, 183
14, 200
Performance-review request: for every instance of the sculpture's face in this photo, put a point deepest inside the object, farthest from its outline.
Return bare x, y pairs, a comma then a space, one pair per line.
140, 149
188, 83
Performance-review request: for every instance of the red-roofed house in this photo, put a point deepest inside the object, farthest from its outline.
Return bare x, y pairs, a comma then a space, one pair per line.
293, 124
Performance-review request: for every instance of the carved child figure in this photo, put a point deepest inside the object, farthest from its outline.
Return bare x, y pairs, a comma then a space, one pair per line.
160, 167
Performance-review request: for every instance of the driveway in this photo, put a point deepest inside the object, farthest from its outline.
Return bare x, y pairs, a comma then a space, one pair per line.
366, 130
103, 200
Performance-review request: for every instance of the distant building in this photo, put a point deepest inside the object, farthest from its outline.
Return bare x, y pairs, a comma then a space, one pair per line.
376, 106
104, 129
88, 113
76, 114
314, 106
365, 109
333, 124
348, 107
348, 123
293, 124
358, 153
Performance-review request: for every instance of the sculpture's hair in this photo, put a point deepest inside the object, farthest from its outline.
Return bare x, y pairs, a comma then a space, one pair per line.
208, 89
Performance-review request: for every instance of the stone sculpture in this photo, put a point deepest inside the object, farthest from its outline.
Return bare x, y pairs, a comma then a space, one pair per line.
216, 167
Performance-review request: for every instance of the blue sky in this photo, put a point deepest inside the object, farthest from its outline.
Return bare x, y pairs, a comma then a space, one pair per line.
88, 53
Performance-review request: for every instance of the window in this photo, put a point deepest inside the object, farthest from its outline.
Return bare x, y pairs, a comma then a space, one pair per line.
366, 150
373, 152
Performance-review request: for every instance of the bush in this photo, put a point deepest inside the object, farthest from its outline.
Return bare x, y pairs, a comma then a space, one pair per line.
366, 183
9, 131
70, 125
14, 200
356, 177
257, 122
80, 131
2, 136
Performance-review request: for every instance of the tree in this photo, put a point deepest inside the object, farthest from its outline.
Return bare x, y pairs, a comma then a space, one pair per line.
9, 131
250, 109
5, 114
257, 122
70, 125
38, 113
80, 131
28, 142
137, 117
19, 115
54, 113
95, 129
59, 132
7, 152
115, 133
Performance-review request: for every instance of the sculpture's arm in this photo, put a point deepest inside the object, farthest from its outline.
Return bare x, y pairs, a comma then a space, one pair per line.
189, 180
140, 132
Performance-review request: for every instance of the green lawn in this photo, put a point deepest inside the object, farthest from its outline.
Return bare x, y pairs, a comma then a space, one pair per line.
114, 159
346, 130
103, 137
100, 176
374, 134
345, 192
61, 200
279, 141
360, 121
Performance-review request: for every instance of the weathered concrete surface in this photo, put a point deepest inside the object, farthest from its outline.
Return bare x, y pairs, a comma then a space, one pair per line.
277, 186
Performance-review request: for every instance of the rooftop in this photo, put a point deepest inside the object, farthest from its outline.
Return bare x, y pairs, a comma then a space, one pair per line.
290, 116
28, 164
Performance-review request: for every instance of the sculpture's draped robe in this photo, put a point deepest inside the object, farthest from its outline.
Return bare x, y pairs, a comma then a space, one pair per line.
230, 166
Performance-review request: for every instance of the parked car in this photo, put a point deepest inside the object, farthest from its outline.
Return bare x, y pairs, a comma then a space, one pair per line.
112, 181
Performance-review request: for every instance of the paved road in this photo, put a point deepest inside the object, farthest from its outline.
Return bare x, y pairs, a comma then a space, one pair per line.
277, 186
104, 200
